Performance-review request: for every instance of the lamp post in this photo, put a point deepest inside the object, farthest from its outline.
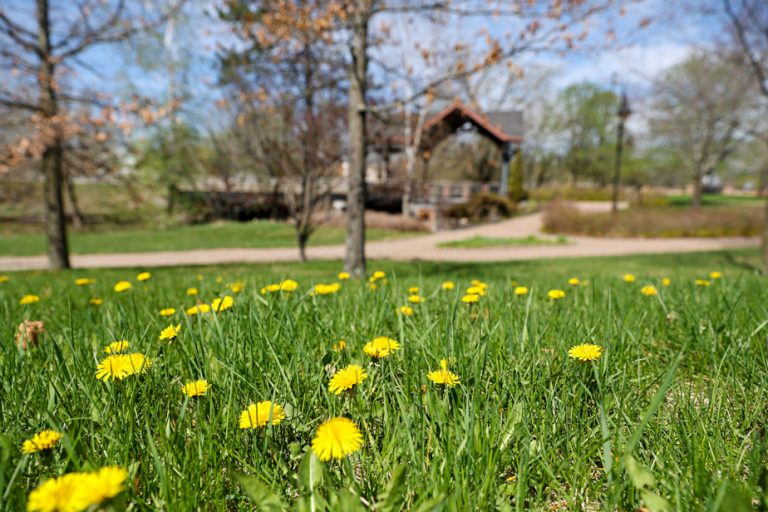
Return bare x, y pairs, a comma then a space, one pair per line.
624, 112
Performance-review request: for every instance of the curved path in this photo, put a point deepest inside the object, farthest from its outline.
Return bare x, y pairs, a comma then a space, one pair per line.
411, 248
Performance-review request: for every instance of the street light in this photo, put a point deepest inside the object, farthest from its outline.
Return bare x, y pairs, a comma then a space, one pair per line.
624, 112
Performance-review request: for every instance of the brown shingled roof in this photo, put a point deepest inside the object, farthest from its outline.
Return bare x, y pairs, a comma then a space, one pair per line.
457, 114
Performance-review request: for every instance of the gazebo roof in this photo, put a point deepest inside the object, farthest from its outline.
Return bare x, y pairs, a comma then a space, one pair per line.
501, 127
496, 126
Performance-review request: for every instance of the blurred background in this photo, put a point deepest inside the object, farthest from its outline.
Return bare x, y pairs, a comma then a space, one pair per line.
133, 126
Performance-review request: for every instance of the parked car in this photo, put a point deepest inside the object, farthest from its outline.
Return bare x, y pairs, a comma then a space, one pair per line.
711, 184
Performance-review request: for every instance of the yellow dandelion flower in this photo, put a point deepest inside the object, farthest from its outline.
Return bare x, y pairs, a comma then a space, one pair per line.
448, 285
258, 415
343, 276
29, 299
379, 274
476, 282
84, 281
116, 347
170, 332
521, 290
702, 282
337, 438
144, 276
192, 291
629, 278
104, 484
44, 440
372, 286
586, 352
195, 388
649, 290
288, 285
666, 281
574, 281
715, 275
120, 366
475, 290
381, 347
346, 378
95, 301
222, 304
413, 290
470, 298
443, 376
199, 309
122, 286
138, 363
338, 347
236, 287
556, 294
325, 289
416, 299
63, 494
167, 311
4, 279
405, 310
270, 288
113, 367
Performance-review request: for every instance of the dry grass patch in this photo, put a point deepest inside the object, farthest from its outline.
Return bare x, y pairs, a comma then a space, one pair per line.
560, 217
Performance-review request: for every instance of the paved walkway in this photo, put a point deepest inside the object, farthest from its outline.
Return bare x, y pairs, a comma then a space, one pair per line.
411, 248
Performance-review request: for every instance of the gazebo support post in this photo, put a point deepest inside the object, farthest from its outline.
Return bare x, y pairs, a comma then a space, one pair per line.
506, 156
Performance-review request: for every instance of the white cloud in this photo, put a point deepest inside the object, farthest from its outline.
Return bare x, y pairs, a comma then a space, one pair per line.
632, 66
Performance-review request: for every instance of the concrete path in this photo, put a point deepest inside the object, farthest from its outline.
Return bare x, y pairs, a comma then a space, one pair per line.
411, 248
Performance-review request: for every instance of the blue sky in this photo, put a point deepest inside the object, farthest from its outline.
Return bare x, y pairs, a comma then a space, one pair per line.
639, 56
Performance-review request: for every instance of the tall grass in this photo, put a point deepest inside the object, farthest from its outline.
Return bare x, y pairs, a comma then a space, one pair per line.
671, 416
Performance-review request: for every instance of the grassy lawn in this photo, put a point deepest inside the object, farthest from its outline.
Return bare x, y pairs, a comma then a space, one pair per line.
716, 200
206, 236
477, 242
672, 410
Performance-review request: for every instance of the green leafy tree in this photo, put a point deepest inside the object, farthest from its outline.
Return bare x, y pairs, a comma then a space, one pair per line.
586, 116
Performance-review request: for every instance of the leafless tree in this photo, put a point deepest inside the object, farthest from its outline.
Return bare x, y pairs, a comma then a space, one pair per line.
700, 111
43, 45
748, 21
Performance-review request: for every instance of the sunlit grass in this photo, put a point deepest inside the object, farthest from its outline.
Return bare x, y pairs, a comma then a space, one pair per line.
679, 393
477, 242
259, 234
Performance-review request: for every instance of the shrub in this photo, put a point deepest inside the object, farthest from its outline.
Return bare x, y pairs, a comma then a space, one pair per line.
482, 207
564, 218
516, 192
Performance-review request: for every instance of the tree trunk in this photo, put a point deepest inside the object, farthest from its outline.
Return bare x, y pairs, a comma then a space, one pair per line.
55, 219
406, 202
358, 144
78, 220
301, 239
697, 190
764, 245
52, 161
